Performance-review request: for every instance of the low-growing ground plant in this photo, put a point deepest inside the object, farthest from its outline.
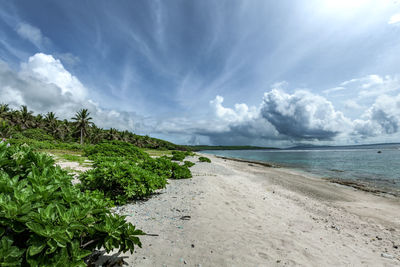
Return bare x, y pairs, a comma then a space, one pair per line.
204, 159
123, 172
189, 153
188, 163
121, 180
43, 145
46, 221
180, 171
115, 149
178, 155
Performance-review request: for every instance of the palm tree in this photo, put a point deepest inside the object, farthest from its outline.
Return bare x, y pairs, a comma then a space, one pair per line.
82, 122
113, 134
26, 117
50, 117
125, 136
5, 130
64, 130
38, 121
96, 134
4, 109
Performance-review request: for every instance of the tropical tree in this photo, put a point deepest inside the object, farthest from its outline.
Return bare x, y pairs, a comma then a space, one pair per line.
63, 130
4, 109
26, 117
82, 122
5, 130
113, 134
50, 118
96, 134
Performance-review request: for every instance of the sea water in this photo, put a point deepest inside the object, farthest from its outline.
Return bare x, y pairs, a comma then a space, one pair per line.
375, 166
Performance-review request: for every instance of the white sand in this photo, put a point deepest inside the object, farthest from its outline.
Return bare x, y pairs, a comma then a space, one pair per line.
248, 215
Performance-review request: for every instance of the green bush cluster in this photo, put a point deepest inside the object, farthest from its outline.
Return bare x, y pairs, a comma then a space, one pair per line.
124, 172
46, 221
47, 144
178, 155
115, 149
36, 134
204, 159
122, 180
188, 164
180, 171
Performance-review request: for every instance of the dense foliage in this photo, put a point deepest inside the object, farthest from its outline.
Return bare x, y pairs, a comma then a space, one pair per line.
46, 221
178, 155
188, 163
124, 172
115, 149
15, 123
121, 180
204, 159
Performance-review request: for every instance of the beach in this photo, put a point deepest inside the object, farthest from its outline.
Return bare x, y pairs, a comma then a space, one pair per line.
235, 213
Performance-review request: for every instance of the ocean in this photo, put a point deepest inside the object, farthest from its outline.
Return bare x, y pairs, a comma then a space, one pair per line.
372, 166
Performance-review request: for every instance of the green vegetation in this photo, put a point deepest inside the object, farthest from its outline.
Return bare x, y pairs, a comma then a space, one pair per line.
46, 221
204, 159
188, 163
48, 132
115, 149
121, 180
157, 152
82, 122
75, 158
124, 172
178, 155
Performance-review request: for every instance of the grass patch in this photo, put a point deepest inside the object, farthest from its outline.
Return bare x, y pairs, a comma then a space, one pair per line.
158, 153
68, 155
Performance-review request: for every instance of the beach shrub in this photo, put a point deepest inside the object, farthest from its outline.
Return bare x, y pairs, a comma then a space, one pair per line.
180, 171
115, 149
189, 153
188, 163
204, 159
46, 221
37, 134
43, 145
121, 180
178, 155
161, 166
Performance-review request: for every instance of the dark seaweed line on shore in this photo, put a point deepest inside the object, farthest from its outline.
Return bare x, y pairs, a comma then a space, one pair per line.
353, 184
265, 164
362, 187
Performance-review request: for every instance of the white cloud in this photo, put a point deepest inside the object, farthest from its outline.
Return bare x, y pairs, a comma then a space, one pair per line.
335, 89
43, 84
371, 86
303, 115
382, 118
31, 33
51, 71
241, 112
394, 19
351, 104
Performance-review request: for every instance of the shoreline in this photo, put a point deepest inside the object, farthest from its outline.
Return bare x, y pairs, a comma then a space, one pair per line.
362, 186
233, 214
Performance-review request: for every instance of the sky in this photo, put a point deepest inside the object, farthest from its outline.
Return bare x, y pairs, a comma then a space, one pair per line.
226, 72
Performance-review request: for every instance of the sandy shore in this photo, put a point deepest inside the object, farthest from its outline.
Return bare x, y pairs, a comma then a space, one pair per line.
241, 214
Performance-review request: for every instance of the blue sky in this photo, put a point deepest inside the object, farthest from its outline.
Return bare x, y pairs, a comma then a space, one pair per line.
213, 72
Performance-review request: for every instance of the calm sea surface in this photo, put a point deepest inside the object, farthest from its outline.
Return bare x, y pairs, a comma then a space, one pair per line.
358, 164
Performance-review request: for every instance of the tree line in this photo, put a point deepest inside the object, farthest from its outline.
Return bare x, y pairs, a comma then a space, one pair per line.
17, 122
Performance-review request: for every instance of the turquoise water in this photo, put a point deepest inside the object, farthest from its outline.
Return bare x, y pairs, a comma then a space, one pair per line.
363, 165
